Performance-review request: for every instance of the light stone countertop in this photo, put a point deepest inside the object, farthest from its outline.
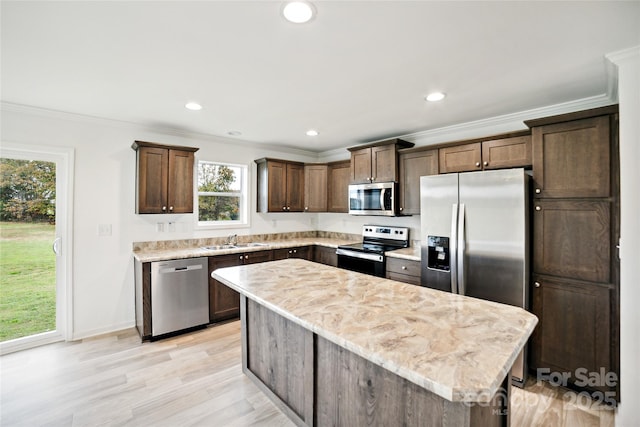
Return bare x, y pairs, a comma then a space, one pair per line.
194, 252
151, 255
457, 347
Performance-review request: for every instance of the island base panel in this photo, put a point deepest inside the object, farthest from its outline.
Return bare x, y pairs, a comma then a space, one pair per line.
318, 383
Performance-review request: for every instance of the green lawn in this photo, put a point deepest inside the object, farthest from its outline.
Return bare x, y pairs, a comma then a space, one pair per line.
27, 279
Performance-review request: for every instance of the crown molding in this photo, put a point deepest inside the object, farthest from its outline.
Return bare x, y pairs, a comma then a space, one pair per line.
183, 133
504, 123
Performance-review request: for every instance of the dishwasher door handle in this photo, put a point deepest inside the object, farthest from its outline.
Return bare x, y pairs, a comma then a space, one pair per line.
180, 269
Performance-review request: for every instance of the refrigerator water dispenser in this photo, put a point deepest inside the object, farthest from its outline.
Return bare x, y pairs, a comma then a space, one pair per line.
438, 253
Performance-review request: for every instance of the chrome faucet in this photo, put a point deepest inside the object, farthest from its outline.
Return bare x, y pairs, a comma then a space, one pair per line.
232, 239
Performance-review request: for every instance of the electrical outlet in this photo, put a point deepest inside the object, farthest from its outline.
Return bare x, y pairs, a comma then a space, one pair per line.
104, 230
172, 226
160, 227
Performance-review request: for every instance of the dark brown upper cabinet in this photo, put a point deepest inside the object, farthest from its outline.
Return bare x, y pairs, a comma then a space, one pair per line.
461, 158
164, 178
572, 159
506, 153
280, 186
502, 153
339, 175
414, 163
376, 162
315, 187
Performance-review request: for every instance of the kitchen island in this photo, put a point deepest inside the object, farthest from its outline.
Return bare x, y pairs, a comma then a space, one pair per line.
336, 347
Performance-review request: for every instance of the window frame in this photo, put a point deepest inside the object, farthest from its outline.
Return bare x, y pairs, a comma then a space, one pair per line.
244, 220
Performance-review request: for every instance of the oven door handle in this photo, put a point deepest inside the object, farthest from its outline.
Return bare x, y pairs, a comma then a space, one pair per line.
361, 255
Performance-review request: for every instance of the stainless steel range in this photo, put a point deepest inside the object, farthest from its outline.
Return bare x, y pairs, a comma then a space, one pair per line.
368, 256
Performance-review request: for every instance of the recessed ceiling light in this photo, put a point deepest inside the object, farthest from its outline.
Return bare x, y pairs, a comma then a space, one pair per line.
312, 132
194, 106
298, 12
435, 96
234, 133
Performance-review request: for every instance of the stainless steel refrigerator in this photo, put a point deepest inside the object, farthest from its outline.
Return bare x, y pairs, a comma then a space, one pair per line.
475, 237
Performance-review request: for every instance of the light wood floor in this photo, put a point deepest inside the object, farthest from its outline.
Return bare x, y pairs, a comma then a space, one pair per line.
193, 379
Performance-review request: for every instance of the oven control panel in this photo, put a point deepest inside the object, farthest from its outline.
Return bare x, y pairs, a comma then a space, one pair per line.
385, 232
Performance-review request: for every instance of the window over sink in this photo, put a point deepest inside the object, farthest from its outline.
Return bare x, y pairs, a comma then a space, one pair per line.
222, 195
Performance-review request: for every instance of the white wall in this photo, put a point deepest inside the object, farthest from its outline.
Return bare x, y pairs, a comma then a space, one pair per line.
103, 297
628, 63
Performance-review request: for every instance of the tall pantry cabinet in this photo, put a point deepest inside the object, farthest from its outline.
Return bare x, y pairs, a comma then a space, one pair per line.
575, 261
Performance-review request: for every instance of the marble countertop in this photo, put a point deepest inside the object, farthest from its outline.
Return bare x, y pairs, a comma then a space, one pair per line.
457, 347
194, 252
151, 255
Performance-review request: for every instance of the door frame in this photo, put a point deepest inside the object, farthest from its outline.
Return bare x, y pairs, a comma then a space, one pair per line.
63, 157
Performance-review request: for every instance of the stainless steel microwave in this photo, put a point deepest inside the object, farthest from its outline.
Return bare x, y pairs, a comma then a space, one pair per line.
373, 199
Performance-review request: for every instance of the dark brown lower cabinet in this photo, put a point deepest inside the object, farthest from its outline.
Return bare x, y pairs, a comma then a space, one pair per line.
572, 343
224, 302
325, 255
403, 270
303, 252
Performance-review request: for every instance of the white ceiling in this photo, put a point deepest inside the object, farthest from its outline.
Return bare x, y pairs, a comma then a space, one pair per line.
357, 73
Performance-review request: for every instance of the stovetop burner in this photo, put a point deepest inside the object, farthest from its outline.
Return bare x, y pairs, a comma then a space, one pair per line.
380, 239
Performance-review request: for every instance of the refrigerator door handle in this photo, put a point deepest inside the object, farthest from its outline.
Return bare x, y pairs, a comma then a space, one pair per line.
452, 249
460, 245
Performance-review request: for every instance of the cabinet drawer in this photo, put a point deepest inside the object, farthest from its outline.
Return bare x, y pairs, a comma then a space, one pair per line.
403, 266
405, 278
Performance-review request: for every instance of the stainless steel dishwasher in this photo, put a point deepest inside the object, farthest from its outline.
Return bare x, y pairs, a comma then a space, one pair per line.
179, 295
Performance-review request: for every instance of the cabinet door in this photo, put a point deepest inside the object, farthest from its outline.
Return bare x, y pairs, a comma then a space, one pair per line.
277, 186
315, 188
180, 185
384, 166
412, 167
325, 255
302, 252
152, 180
361, 166
461, 158
573, 329
572, 239
338, 187
224, 302
295, 187
258, 256
572, 159
507, 153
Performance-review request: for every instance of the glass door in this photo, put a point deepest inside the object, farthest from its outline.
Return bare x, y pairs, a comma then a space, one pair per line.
34, 188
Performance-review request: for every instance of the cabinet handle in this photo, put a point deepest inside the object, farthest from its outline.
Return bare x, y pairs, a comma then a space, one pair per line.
306, 208
538, 191
401, 209
164, 209
246, 257
241, 257
373, 178
538, 208
284, 208
170, 208
536, 284
477, 164
486, 163
404, 267
295, 251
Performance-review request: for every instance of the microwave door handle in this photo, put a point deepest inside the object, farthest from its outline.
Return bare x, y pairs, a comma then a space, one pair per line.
382, 206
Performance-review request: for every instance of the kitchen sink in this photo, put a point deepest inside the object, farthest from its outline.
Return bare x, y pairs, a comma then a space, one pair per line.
238, 246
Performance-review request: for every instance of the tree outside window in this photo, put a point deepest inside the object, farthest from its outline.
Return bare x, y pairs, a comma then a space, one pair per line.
221, 194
